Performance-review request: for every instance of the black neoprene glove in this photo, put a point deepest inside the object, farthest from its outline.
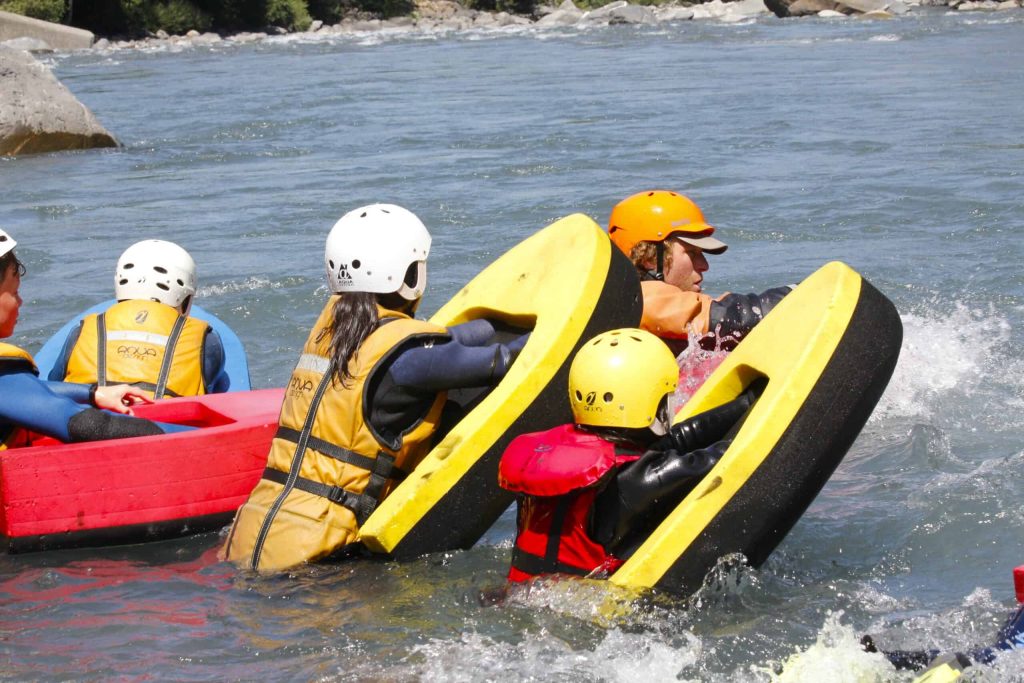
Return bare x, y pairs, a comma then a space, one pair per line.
737, 314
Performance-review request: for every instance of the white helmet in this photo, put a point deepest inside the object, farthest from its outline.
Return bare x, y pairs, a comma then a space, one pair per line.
374, 248
7, 243
158, 271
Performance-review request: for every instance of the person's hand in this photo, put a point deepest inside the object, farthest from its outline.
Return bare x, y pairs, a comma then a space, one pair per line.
119, 398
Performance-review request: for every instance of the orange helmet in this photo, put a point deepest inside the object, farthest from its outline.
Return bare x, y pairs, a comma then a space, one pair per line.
655, 215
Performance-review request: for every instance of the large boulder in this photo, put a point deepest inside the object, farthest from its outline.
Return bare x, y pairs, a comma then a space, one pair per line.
55, 36
38, 114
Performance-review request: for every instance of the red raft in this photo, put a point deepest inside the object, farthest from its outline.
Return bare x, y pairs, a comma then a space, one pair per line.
55, 495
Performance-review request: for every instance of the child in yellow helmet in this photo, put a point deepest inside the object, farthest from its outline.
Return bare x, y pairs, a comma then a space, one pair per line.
591, 491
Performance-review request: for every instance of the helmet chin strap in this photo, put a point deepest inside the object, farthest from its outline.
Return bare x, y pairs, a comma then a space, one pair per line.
659, 271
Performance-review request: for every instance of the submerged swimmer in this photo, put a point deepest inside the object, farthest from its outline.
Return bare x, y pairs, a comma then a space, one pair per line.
948, 666
65, 411
366, 398
589, 493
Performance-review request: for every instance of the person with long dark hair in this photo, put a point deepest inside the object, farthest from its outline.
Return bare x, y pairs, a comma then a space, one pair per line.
366, 396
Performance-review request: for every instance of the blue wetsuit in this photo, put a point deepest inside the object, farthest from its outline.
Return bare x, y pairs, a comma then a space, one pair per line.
61, 410
215, 374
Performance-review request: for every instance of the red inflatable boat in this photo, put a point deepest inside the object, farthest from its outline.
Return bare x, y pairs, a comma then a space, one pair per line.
55, 495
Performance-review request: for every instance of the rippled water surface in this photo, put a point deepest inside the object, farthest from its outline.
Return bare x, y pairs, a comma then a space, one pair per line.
895, 146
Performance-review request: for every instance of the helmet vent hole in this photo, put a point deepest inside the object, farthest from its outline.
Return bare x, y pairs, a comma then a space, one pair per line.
123, 281
180, 283
579, 396
160, 269
608, 397
162, 286
362, 215
615, 342
129, 266
355, 264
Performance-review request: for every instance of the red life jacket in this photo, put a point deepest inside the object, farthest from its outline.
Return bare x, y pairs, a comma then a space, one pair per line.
558, 474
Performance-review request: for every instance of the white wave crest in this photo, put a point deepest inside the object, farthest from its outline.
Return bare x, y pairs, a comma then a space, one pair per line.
247, 285
950, 359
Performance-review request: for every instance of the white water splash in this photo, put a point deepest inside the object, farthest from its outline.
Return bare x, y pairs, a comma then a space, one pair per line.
835, 656
952, 358
247, 285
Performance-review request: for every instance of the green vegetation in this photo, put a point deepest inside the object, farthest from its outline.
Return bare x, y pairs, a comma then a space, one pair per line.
47, 10
136, 18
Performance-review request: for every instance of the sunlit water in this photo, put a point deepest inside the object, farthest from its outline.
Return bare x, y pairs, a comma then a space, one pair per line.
895, 146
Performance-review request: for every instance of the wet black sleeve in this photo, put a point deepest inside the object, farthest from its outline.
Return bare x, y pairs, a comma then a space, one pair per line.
95, 425
736, 314
643, 492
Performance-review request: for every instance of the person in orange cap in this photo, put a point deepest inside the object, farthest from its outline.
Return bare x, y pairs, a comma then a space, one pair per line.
666, 237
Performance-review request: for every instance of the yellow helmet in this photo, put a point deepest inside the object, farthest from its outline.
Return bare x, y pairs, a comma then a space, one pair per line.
619, 378
654, 215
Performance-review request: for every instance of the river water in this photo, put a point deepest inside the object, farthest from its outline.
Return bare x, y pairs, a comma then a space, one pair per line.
895, 146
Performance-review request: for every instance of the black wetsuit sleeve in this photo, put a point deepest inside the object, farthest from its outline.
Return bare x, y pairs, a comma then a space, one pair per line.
453, 365
473, 333
215, 375
60, 367
736, 314
643, 492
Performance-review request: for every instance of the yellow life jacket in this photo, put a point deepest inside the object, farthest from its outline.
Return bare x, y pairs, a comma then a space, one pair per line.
12, 436
328, 468
144, 343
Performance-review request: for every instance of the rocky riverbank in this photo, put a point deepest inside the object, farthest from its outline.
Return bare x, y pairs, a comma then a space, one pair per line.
447, 16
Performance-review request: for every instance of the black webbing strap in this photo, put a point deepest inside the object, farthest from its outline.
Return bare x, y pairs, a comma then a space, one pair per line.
149, 386
383, 464
293, 471
101, 356
360, 504
534, 564
165, 367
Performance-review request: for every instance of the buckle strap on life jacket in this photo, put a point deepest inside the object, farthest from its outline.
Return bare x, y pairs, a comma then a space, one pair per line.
382, 466
535, 564
360, 504
149, 386
101, 343
165, 367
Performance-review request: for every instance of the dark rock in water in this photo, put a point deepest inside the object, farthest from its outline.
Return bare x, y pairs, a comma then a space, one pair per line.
38, 114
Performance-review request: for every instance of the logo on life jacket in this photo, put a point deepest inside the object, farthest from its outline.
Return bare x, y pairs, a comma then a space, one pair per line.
135, 353
297, 386
141, 316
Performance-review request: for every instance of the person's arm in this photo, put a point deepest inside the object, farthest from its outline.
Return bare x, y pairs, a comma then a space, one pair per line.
116, 397
453, 365
215, 375
60, 366
59, 416
657, 479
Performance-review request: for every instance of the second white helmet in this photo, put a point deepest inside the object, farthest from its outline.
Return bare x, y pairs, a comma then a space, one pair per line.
158, 271
7, 244
380, 248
